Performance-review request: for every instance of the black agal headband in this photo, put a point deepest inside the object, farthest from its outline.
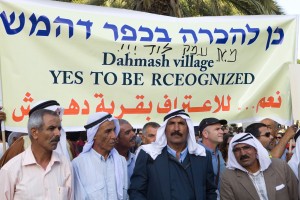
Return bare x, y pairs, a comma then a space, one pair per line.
97, 121
178, 112
44, 105
244, 138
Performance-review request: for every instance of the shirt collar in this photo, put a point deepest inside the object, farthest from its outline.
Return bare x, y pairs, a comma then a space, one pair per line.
29, 158
182, 154
130, 155
99, 155
209, 149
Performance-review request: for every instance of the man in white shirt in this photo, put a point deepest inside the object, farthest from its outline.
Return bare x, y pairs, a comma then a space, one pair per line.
38, 173
100, 172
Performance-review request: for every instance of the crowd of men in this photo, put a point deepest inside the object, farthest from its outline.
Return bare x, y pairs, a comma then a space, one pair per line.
170, 163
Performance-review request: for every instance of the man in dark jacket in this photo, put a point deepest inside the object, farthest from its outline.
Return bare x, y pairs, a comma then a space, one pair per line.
174, 166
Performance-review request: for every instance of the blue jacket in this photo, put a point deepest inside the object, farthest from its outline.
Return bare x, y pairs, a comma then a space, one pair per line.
151, 178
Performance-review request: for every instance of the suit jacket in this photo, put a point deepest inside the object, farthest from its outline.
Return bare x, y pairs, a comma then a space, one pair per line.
151, 178
281, 183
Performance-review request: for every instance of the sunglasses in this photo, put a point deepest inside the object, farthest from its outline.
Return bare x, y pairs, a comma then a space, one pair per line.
267, 134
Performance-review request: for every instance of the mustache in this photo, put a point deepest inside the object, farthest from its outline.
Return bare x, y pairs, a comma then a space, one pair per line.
176, 133
55, 139
244, 157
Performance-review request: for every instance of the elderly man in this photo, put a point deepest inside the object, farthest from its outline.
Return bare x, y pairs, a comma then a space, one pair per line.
252, 175
63, 147
100, 172
125, 142
212, 135
174, 166
39, 172
149, 132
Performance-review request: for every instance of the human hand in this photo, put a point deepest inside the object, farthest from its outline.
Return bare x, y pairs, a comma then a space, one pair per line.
2, 115
291, 131
288, 156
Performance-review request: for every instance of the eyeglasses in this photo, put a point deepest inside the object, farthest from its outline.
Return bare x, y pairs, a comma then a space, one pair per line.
267, 134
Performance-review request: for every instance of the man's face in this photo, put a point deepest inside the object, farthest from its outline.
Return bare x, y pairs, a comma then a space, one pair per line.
245, 155
214, 133
105, 138
273, 128
265, 138
126, 138
176, 131
150, 135
48, 135
271, 125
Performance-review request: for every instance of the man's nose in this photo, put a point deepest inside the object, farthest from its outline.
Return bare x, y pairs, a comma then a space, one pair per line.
57, 132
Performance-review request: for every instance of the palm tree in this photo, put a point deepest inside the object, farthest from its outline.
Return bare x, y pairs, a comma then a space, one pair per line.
189, 8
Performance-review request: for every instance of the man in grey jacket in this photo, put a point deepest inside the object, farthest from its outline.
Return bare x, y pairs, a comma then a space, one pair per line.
253, 175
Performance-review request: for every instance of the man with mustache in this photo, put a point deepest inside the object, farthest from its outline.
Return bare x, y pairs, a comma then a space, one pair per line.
252, 175
100, 172
174, 166
125, 142
39, 172
64, 147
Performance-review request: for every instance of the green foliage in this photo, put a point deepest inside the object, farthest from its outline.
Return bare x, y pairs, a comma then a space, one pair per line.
192, 8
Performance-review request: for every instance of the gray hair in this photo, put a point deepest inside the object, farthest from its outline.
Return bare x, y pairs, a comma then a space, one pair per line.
151, 124
36, 119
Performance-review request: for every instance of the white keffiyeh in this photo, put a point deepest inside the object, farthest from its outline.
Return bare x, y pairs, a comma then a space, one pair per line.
155, 148
295, 160
91, 132
247, 138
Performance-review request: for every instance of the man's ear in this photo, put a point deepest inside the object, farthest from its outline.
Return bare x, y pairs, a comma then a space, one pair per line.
34, 133
143, 139
205, 133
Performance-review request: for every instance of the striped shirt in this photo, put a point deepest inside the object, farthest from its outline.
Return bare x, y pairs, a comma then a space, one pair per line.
258, 181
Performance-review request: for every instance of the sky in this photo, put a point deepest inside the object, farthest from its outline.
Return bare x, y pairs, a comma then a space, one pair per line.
291, 7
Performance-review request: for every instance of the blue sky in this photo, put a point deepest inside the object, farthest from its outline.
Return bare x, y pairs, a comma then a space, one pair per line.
291, 7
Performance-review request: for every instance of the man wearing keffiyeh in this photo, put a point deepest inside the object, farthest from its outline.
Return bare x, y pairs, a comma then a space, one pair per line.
174, 166
100, 172
252, 175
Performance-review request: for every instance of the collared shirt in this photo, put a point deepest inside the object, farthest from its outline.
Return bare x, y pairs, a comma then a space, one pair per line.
258, 181
214, 156
130, 164
182, 154
23, 178
94, 177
